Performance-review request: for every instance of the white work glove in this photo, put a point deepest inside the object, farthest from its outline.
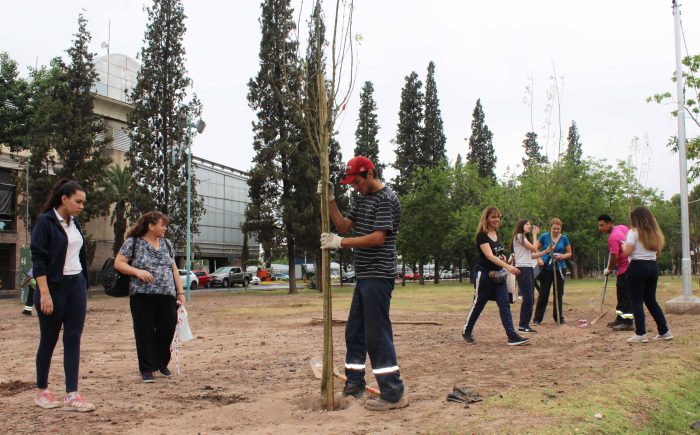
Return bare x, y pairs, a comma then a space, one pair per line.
319, 187
330, 241
607, 272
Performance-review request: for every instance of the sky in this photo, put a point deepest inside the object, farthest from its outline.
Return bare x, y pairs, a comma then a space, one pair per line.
607, 58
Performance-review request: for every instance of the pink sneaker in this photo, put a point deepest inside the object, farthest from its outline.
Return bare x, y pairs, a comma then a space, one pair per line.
75, 402
46, 400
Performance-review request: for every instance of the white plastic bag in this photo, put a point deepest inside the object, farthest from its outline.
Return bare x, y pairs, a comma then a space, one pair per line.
512, 288
184, 332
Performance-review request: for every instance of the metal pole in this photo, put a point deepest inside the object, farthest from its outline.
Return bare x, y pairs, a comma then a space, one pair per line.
683, 165
685, 303
189, 195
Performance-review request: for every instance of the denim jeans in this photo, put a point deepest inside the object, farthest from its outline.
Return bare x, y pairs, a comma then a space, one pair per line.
369, 332
643, 276
526, 287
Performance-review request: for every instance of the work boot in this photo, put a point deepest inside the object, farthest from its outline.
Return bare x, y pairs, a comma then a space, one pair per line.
380, 404
623, 326
614, 322
355, 390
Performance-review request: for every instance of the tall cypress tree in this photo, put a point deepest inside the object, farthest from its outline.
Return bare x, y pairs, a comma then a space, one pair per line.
409, 156
276, 137
366, 143
533, 151
157, 122
433, 132
65, 137
574, 149
481, 151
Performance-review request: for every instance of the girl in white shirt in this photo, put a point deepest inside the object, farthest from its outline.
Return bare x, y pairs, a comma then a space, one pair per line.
526, 256
644, 241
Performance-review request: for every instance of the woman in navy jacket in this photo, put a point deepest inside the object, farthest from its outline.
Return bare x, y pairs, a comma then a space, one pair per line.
58, 257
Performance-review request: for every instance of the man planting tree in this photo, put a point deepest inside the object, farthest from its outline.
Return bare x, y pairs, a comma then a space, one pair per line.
375, 219
618, 260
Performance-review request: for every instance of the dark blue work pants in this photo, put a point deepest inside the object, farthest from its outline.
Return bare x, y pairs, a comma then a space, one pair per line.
368, 331
69, 309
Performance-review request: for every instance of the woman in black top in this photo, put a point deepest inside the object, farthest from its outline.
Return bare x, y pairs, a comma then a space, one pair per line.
488, 285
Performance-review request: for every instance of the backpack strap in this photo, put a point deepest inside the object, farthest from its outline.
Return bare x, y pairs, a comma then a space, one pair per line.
170, 248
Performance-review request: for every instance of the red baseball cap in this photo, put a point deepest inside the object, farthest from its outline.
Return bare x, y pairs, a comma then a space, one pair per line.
356, 166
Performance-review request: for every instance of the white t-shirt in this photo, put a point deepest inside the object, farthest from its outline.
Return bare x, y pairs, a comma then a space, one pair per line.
72, 264
640, 252
523, 256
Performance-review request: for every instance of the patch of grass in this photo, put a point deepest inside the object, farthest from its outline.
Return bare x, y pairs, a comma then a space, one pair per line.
647, 400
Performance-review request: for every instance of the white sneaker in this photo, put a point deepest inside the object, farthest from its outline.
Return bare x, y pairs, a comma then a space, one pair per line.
666, 336
638, 339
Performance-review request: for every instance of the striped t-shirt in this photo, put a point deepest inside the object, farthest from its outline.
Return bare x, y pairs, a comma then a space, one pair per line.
379, 210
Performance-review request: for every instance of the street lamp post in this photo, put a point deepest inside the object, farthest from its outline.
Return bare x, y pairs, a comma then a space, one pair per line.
199, 126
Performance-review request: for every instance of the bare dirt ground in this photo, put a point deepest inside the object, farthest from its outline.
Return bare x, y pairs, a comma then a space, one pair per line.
247, 370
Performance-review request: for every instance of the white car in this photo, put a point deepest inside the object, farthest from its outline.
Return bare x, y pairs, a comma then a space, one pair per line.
255, 280
183, 279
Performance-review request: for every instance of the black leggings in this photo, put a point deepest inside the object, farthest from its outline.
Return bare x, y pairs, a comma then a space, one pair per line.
642, 277
547, 279
69, 309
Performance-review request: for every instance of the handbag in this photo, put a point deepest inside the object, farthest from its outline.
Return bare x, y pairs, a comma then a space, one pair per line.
498, 276
117, 284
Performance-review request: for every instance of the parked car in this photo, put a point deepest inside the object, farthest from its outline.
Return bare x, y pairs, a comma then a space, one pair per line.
429, 275
280, 276
203, 278
220, 276
348, 276
237, 276
183, 279
255, 280
412, 276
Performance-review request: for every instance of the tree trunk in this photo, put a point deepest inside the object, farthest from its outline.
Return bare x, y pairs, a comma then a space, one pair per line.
436, 275
292, 269
403, 274
420, 272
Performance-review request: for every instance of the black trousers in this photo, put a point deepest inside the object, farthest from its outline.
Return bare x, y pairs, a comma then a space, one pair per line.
623, 310
643, 276
547, 279
69, 309
155, 318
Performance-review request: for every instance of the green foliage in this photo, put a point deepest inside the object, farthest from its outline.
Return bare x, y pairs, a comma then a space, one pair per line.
691, 90
481, 151
574, 150
433, 146
65, 139
158, 122
14, 104
117, 190
366, 142
409, 135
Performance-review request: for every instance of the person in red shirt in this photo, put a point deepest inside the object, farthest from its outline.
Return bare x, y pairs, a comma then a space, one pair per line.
617, 234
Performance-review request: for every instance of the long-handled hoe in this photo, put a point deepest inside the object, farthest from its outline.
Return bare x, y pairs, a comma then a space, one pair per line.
602, 301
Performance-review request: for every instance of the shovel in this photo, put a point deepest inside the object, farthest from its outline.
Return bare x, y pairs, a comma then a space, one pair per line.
602, 301
317, 368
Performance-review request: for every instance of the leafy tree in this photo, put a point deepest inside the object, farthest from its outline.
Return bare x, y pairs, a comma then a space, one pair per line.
433, 147
117, 189
691, 91
574, 151
409, 156
158, 122
14, 104
533, 151
366, 143
481, 151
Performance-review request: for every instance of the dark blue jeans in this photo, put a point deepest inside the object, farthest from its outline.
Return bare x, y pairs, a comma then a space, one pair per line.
546, 281
69, 309
368, 331
488, 290
526, 288
642, 276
